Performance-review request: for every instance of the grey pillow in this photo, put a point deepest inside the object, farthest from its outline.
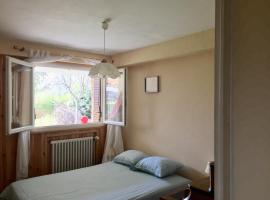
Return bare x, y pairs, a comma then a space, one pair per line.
158, 166
129, 158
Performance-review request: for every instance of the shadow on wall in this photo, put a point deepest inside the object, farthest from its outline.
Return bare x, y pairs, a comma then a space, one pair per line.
186, 172
192, 174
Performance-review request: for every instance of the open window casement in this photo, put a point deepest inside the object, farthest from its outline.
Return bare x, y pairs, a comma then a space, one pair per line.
114, 99
19, 95
108, 96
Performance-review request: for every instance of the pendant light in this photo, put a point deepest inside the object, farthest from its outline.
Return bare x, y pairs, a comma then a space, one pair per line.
104, 68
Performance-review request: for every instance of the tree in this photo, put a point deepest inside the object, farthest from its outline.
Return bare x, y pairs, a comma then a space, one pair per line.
78, 87
62, 96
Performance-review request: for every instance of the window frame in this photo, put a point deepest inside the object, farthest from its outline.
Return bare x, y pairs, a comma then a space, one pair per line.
61, 126
103, 100
10, 130
42, 129
36, 129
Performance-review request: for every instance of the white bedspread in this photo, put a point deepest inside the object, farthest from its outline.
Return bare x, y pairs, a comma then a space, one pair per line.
109, 181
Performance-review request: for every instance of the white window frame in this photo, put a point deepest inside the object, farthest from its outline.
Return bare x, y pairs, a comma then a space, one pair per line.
103, 100
10, 130
10, 60
64, 126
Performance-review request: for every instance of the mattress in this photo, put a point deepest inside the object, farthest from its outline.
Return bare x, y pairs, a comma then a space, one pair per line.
108, 181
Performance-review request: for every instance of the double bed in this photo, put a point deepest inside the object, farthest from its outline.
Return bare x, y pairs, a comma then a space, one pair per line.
108, 181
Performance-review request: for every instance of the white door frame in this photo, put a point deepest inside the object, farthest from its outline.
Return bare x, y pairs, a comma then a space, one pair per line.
223, 147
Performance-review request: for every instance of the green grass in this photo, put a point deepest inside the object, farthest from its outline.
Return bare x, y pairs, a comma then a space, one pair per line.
45, 120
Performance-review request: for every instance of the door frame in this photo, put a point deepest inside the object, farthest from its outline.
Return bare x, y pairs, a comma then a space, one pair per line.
223, 88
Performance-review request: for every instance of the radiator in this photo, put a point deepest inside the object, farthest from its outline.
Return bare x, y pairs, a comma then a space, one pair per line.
72, 154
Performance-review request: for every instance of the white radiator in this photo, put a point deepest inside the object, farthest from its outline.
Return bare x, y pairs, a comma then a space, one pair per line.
72, 154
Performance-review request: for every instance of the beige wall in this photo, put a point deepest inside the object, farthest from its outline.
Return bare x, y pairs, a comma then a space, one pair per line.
250, 99
178, 122
6, 48
179, 47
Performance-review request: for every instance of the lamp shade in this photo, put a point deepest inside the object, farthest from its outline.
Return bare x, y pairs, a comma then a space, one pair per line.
104, 69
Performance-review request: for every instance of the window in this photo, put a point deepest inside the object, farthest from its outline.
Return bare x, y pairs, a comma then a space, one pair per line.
114, 99
19, 109
64, 96
61, 94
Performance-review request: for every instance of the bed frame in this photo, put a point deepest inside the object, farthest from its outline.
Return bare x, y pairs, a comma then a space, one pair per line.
178, 193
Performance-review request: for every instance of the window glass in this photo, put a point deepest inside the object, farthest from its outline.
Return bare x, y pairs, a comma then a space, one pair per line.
115, 100
19, 95
63, 96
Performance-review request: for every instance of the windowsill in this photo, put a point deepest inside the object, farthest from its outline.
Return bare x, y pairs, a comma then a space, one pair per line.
65, 127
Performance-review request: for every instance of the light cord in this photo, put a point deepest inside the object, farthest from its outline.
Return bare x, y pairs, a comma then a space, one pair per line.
104, 41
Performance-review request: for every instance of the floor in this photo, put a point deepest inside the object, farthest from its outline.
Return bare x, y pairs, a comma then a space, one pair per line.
201, 195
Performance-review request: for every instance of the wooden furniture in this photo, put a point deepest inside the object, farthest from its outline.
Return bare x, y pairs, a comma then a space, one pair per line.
204, 189
212, 177
197, 194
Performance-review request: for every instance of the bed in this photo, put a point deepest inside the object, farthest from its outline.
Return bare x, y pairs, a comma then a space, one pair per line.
108, 181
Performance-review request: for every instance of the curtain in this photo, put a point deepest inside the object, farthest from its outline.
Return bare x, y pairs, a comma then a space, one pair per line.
42, 56
24, 98
23, 146
114, 143
23, 154
25, 118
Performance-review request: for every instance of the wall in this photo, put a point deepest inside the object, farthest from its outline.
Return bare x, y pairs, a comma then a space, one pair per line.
179, 47
6, 48
250, 116
178, 122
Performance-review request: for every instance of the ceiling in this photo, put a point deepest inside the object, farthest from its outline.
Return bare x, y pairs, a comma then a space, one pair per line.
76, 24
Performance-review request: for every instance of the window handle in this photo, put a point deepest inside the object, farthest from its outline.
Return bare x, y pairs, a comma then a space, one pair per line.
100, 113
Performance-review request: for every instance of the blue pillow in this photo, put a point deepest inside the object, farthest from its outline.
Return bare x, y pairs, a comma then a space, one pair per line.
129, 158
158, 166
